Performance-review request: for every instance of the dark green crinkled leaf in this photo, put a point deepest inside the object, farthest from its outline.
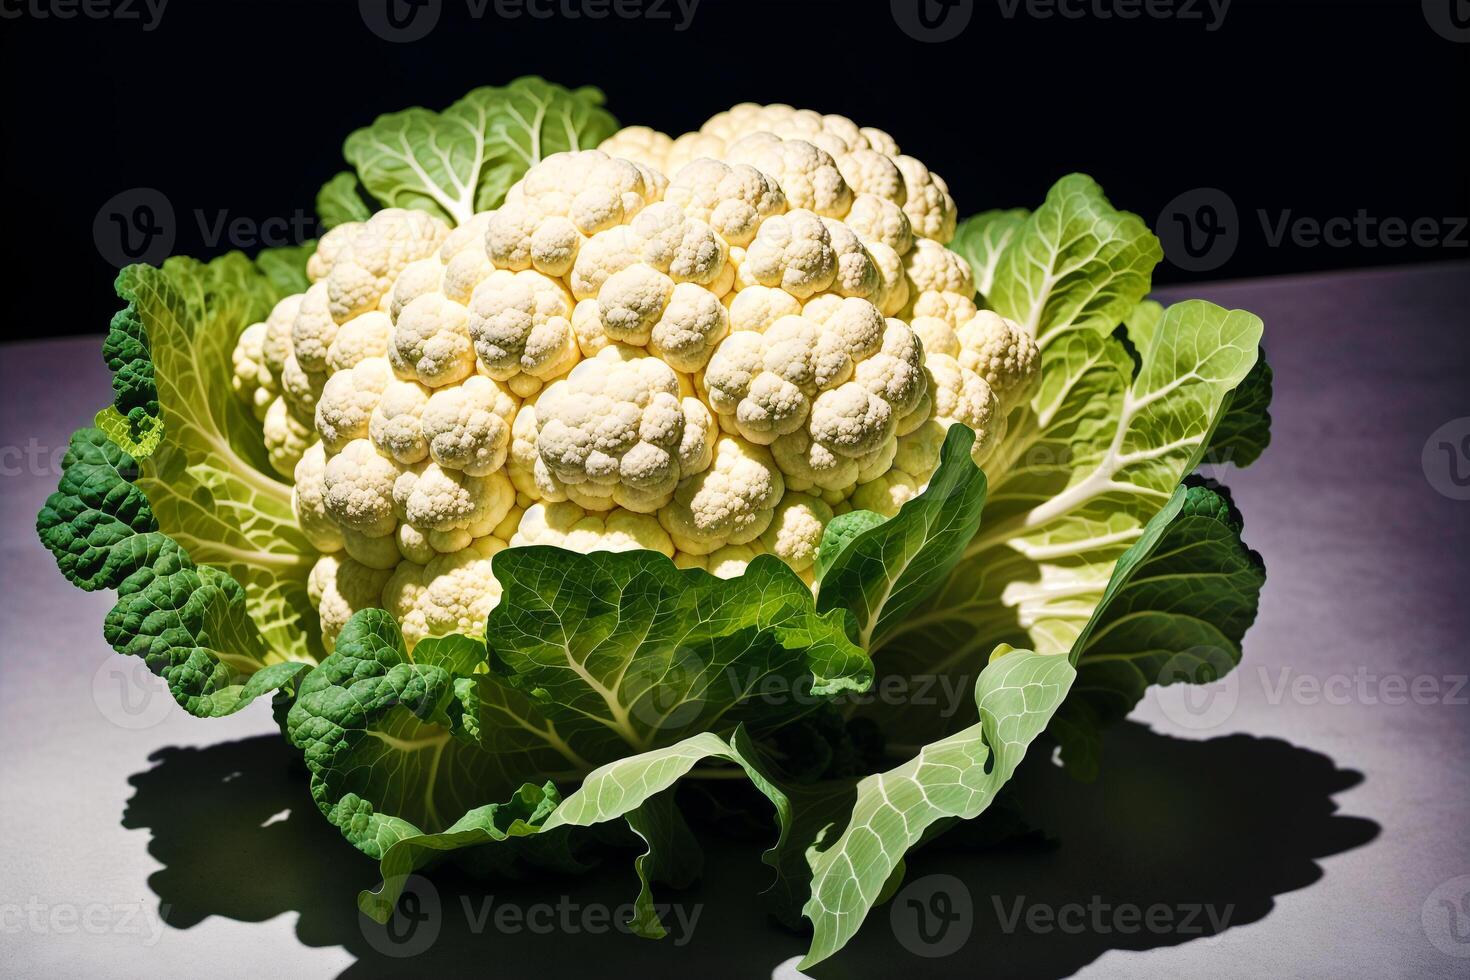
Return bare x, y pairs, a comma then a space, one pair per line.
188, 623
624, 649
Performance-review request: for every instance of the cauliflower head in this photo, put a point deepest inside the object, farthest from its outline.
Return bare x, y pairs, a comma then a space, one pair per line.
704, 346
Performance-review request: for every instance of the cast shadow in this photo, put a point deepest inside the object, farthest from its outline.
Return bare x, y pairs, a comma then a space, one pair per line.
1220, 827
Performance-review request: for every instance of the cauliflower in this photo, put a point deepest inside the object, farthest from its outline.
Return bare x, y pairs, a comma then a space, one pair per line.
703, 346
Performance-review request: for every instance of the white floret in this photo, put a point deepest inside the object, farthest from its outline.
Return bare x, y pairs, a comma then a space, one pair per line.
451, 594
620, 430
731, 502
1001, 352
339, 586
521, 328
359, 489
467, 427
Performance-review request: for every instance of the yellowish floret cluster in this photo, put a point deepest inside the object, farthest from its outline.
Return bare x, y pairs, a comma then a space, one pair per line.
706, 346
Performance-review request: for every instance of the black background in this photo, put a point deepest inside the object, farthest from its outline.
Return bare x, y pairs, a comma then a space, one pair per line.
237, 110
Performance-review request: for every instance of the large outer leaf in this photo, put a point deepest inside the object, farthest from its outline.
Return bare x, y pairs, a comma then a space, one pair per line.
595, 658
1175, 609
462, 160
188, 623
625, 652
207, 481
169, 502
1076, 264
1084, 469
954, 777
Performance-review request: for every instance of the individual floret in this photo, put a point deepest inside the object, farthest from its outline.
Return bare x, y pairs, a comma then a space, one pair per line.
309, 504
286, 437
365, 270
467, 427
731, 200
451, 594
348, 400
521, 328
807, 174
339, 586
431, 341
359, 489
731, 502
252, 380
450, 506
620, 430
1002, 353
796, 530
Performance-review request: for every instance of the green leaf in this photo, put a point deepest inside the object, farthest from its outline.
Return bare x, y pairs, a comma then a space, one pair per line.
624, 652
1176, 608
1076, 264
853, 861
841, 531
1245, 431
982, 240
340, 201
462, 160
188, 623
207, 478
1082, 471
890, 568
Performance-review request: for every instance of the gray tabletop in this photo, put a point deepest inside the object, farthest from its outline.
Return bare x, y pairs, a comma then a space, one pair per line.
1309, 817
